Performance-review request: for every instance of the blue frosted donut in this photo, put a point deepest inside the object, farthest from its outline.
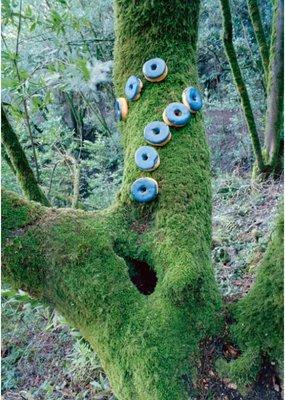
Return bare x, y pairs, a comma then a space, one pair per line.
121, 109
155, 70
157, 133
192, 99
147, 158
133, 88
144, 190
176, 114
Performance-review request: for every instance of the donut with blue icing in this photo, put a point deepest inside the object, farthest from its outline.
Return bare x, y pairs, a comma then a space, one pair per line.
121, 109
133, 88
155, 70
144, 190
147, 158
192, 99
157, 133
176, 114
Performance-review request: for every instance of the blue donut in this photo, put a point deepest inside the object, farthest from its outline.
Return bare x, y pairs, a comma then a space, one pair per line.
155, 70
147, 158
157, 133
192, 99
176, 114
144, 190
133, 88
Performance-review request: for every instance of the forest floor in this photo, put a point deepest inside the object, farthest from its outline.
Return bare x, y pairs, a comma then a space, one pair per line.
43, 359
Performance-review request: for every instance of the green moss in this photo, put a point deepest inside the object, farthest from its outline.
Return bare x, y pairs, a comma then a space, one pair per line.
16, 214
20, 164
68, 260
149, 346
243, 372
259, 316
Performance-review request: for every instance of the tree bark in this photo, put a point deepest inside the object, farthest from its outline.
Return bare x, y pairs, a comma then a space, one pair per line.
275, 99
239, 82
259, 34
18, 159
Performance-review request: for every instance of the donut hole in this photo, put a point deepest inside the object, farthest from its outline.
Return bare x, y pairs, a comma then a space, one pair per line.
143, 189
178, 113
131, 86
155, 131
153, 67
144, 157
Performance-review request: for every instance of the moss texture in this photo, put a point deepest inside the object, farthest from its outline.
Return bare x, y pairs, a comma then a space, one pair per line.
259, 315
19, 163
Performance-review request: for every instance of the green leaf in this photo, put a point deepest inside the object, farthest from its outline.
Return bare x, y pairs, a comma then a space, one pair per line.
82, 66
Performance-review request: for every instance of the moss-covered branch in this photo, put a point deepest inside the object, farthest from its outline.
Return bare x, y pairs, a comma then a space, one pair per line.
259, 34
18, 159
275, 99
259, 327
240, 83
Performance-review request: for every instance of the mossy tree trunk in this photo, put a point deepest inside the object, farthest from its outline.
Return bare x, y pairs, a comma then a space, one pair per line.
259, 34
259, 315
79, 262
274, 134
85, 263
240, 83
18, 161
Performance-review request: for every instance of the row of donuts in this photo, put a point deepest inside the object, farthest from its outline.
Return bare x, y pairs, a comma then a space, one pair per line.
156, 133
175, 114
154, 70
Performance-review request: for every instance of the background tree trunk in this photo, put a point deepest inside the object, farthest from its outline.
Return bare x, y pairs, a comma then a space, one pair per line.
275, 101
18, 160
271, 160
259, 34
240, 83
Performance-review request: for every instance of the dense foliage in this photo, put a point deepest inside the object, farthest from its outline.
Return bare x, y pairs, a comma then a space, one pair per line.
57, 69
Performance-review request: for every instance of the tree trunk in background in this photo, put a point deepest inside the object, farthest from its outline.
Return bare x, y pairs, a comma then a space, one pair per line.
18, 160
275, 100
271, 159
259, 34
240, 83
